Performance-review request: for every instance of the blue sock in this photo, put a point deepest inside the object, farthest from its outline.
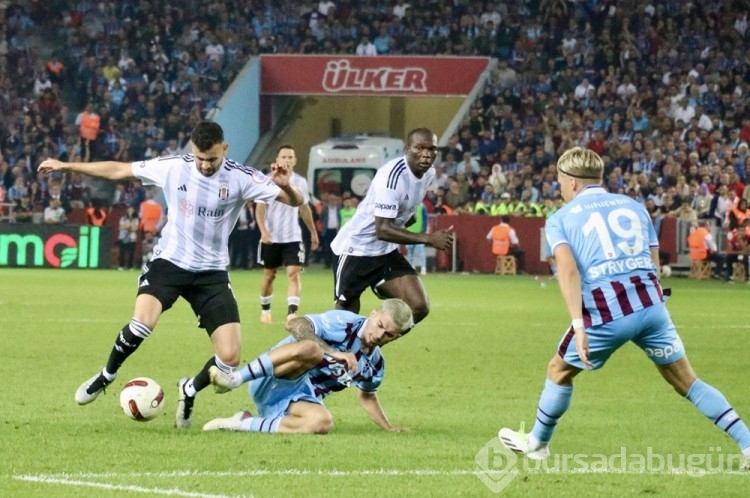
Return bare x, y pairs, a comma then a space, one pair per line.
259, 367
715, 406
260, 424
553, 404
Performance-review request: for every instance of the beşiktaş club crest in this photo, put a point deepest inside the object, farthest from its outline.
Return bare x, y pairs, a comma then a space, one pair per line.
224, 192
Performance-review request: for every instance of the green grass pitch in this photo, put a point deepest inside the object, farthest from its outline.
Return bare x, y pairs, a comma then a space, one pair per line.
475, 364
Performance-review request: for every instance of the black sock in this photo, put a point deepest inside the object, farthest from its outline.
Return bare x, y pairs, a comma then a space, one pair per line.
202, 379
292, 309
130, 337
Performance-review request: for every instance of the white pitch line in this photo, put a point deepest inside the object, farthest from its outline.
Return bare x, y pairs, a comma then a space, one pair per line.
118, 487
371, 472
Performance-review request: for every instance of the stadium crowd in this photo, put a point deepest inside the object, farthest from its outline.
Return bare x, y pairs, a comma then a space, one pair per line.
659, 89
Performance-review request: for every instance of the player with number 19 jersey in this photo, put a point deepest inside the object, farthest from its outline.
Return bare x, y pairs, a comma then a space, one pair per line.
611, 236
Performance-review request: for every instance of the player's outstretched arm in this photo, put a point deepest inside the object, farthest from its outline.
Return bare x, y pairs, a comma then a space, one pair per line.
111, 170
371, 404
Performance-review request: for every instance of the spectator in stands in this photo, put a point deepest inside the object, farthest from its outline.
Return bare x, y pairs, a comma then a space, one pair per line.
738, 215
366, 47
24, 210
54, 214
17, 190
720, 205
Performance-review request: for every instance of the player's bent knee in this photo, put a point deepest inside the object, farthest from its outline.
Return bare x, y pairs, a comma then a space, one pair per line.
230, 359
320, 423
309, 352
560, 372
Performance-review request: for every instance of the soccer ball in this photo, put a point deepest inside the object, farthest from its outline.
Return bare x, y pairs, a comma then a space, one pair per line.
666, 271
142, 399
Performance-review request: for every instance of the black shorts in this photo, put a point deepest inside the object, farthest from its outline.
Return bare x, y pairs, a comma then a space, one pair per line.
282, 254
208, 292
353, 274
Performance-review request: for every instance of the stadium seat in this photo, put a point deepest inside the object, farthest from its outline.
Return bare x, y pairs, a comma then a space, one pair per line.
505, 265
738, 272
700, 269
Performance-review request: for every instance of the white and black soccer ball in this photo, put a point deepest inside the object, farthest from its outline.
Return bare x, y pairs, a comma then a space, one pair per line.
142, 399
666, 271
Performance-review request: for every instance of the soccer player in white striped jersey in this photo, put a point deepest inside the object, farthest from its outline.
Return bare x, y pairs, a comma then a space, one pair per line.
607, 255
205, 192
367, 246
324, 354
281, 240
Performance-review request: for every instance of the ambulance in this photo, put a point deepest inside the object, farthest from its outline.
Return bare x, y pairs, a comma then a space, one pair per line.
349, 163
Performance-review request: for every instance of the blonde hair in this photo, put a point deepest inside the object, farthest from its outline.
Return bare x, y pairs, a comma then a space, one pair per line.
581, 163
400, 313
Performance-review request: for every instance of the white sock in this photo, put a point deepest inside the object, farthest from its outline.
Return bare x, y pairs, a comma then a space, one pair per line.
190, 389
532, 442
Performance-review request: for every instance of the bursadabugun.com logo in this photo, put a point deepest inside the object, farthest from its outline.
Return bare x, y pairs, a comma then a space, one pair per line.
498, 466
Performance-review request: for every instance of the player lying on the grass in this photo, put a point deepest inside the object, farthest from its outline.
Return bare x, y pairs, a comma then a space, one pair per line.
607, 256
325, 353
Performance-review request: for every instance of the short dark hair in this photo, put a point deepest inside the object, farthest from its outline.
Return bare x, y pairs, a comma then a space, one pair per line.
418, 131
284, 146
206, 134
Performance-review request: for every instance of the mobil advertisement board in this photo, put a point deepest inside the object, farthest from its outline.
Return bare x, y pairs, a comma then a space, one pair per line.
54, 246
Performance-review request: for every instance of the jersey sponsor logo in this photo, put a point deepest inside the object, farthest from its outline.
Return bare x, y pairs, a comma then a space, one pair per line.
386, 207
186, 208
223, 191
182, 188
664, 352
204, 212
340, 76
